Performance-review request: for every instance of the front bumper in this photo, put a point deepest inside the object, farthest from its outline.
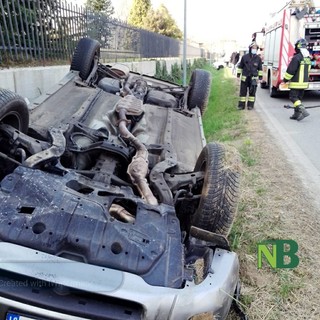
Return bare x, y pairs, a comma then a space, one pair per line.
214, 294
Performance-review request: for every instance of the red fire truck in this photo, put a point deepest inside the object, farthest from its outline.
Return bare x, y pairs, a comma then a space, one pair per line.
298, 19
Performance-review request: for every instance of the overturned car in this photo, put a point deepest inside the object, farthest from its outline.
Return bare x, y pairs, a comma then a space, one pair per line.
113, 206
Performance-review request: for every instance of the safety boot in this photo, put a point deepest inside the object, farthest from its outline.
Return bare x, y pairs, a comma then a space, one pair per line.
296, 113
303, 113
241, 106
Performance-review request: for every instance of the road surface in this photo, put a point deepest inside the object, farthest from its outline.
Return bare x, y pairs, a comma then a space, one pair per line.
299, 140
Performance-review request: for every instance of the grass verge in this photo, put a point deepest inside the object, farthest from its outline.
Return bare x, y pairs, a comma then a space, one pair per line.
272, 205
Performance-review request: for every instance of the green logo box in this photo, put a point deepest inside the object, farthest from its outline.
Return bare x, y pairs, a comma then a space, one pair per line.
279, 254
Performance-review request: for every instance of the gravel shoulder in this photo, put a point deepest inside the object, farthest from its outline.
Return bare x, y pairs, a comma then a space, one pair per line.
275, 204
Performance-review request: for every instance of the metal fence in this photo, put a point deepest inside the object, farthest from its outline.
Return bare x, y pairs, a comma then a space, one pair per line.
50, 29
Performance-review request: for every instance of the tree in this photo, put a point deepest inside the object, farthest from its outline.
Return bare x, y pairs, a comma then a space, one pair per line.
98, 23
103, 6
160, 21
138, 12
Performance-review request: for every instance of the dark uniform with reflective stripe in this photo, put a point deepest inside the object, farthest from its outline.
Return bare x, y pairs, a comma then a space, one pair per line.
250, 69
298, 75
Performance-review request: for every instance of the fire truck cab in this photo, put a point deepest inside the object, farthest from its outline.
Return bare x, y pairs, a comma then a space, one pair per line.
298, 19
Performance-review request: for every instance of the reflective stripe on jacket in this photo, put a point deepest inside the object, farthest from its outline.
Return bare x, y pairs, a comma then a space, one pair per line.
298, 72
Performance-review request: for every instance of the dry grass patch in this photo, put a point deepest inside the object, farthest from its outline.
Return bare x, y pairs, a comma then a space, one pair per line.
274, 205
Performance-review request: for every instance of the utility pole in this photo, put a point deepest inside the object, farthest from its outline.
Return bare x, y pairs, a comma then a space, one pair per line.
185, 45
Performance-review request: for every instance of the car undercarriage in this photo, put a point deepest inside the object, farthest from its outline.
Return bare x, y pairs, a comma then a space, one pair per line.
110, 196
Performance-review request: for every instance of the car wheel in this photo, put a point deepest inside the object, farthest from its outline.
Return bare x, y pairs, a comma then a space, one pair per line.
14, 110
220, 191
200, 85
83, 57
273, 91
263, 85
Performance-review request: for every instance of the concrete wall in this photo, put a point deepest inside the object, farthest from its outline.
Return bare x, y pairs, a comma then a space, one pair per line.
32, 82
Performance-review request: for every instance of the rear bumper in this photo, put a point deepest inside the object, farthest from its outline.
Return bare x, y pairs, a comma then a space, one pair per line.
213, 294
312, 86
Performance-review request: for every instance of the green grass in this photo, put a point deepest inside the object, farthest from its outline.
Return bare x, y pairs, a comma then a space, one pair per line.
248, 154
288, 283
222, 121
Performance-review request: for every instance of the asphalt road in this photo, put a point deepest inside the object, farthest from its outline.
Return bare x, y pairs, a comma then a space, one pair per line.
299, 140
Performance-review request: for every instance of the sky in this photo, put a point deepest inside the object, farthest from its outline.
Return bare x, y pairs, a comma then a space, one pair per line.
211, 20
208, 21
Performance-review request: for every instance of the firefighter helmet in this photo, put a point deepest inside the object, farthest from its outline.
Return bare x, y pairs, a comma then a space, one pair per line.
300, 43
253, 44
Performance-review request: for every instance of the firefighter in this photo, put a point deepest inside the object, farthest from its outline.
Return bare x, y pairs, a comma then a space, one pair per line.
297, 75
250, 70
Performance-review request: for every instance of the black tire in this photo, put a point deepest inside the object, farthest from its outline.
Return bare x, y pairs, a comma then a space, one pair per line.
220, 191
264, 85
14, 110
200, 86
83, 57
273, 91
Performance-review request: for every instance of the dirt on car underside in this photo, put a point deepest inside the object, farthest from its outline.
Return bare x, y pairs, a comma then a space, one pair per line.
95, 108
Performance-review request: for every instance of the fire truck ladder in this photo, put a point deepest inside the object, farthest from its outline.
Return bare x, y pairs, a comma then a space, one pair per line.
301, 4
302, 7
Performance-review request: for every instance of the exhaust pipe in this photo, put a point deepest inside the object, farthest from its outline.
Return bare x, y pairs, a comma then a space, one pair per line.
138, 168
